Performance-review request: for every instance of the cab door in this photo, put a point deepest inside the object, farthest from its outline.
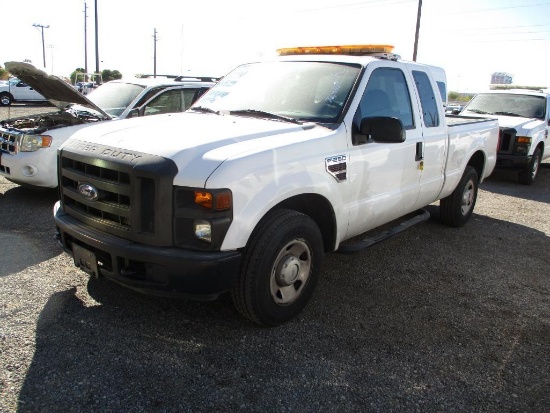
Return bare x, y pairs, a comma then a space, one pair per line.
384, 177
25, 92
435, 136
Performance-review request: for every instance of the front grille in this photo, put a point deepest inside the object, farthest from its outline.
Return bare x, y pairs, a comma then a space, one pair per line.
127, 194
8, 141
507, 138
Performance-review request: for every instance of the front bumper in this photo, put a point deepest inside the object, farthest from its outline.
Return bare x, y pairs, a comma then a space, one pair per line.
165, 271
37, 168
513, 161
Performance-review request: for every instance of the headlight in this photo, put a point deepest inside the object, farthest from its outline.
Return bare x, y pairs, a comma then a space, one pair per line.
31, 143
203, 230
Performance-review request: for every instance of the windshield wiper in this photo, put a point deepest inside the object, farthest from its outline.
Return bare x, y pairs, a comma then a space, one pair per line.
204, 109
506, 114
263, 114
477, 111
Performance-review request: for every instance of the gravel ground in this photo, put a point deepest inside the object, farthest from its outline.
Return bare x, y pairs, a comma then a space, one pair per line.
435, 319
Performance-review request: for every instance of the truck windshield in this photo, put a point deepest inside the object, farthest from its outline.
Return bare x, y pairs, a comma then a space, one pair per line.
115, 97
304, 91
508, 104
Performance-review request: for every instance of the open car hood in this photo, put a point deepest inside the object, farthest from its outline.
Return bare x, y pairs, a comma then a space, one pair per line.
57, 91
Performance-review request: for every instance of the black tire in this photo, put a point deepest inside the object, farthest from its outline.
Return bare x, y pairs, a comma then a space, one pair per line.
528, 175
456, 209
281, 266
5, 99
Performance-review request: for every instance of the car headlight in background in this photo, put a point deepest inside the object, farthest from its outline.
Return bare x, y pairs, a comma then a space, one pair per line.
31, 143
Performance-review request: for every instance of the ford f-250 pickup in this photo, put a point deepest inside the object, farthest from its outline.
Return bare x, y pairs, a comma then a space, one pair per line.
524, 119
279, 163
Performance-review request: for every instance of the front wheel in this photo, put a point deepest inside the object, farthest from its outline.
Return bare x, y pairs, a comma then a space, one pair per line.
280, 268
527, 176
5, 99
456, 209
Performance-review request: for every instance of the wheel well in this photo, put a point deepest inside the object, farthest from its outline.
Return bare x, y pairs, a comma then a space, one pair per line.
320, 210
541, 147
477, 161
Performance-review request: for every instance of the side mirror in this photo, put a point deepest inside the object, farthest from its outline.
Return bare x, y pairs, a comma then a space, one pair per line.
383, 129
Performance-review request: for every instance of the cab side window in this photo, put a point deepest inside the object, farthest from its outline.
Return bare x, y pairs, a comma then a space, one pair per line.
430, 111
386, 94
171, 101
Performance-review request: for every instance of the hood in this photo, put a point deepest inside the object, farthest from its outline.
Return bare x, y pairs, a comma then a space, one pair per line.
57, 91
198, 143
520, 124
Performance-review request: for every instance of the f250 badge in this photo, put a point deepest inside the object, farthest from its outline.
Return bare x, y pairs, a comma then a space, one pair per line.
337, 167
88, 192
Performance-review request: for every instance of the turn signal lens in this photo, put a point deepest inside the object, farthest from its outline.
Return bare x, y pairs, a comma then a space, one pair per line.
524, 139
204, 199
220, 201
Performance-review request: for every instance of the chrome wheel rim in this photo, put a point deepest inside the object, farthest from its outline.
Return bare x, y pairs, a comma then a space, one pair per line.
535, 168
290, 272
468, 197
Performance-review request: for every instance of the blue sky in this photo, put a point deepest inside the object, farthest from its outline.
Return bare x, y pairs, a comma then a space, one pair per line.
470, 39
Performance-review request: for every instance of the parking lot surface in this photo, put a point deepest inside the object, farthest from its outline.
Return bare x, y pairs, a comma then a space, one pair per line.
434, 319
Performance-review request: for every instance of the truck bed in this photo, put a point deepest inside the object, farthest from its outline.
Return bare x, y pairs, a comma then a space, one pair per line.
453, 120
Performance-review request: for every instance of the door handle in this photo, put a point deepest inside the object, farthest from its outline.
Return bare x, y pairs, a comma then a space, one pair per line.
419, 151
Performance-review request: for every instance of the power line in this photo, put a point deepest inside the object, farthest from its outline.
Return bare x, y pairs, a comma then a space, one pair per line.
493, 9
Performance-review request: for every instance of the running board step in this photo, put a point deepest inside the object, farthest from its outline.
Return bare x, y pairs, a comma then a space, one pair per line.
421, 216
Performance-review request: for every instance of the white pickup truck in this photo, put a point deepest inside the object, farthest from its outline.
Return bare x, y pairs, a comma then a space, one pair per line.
29, 144
524, 119
279, 163
16, 90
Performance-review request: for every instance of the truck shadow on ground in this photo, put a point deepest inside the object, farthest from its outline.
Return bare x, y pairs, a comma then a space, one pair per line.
505, 182
26, 228
391, 327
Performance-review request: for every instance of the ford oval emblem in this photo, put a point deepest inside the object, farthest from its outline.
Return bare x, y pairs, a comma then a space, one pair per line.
88, 192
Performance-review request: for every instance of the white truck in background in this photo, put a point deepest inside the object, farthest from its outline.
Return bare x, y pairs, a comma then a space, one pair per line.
524, 119
16, 90
277, 164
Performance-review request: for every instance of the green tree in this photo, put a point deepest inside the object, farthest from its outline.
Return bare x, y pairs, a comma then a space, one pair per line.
73, 74
4, 74
108, 74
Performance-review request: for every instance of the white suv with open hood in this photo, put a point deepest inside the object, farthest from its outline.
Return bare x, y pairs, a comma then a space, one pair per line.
28, 145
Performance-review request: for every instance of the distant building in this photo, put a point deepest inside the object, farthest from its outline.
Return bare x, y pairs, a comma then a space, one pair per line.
501, 78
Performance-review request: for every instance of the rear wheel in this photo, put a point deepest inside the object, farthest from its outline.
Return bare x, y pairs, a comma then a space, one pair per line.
5, 99
527, 176
456, 209
281, 265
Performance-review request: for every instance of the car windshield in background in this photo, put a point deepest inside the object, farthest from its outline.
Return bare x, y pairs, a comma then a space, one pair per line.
304, 91
508, 105
115, 97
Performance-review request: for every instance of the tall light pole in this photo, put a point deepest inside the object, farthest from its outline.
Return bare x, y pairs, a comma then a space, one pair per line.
42, 27
85, 38
155, 39
96, 42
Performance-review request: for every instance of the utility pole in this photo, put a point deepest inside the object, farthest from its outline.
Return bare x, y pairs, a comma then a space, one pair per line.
96, 42
42, 27
417, 29
85, 38
155, 53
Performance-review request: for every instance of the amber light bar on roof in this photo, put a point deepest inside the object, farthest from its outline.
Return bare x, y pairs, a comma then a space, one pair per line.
360, 49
